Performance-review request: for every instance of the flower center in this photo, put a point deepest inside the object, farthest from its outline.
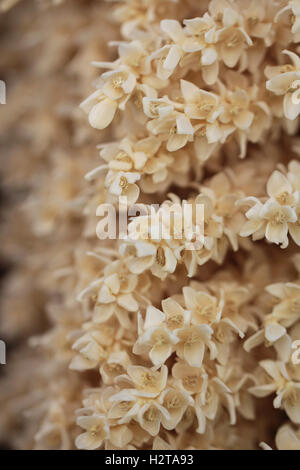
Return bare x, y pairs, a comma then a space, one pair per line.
125, 405
151, 415
147, 379
95, 430
131, 251
190, 381
173, 130
123, 184
283, 198
175, 321
205, 107
192, 339
253, 20
123, 156
235, 110
234, 41
174, 402
207, 311
115, 368
160, 256
278, 218
161, 340
118, 81
202, 131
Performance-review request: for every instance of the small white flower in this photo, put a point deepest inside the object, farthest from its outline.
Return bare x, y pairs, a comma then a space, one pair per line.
286, 83
97, 431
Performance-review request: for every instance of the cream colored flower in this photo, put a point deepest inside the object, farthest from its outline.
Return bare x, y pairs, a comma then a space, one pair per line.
287, 391
155, 241
207, 403
150, 417
97, 431
157, 107
280, 189
120, 436
293, 10
115, 365
114, 89
232, 38
176, 403
128, 155
278, 219
238, 383
289, 399
117, 83
276, 216
258, 17
123, 184
101, 109
174, 315
160, 258
116, 295
191, 379
212, 242
283, 315
156, 340
208, 138
148, 157
287, 310
223, 199
225, 333
163, 169
173, 29
200, 104
237, 110
193, 341
124, 407
285, 81
198, 32
205, 308
90, 352
147, 382
176, 129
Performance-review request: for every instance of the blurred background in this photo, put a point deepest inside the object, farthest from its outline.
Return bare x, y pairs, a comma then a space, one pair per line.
46, 148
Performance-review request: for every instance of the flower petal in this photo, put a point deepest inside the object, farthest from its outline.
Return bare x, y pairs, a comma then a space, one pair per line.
102, 114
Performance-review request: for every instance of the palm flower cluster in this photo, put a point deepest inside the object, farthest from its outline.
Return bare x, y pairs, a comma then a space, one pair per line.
142, 342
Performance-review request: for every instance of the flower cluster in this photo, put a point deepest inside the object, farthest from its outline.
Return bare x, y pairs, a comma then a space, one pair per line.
200, 328
161, 240
167, 337
277, 215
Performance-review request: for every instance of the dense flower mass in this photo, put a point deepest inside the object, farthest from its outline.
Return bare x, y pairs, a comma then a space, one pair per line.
175, 335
